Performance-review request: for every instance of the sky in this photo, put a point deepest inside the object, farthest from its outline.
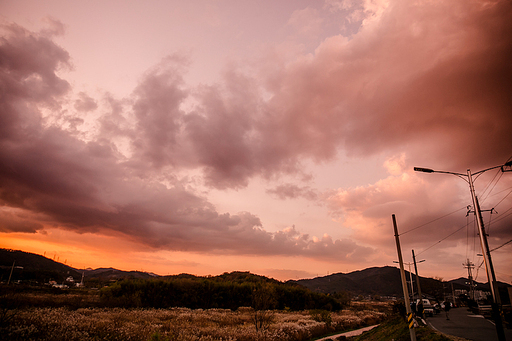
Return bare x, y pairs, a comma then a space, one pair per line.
276, 137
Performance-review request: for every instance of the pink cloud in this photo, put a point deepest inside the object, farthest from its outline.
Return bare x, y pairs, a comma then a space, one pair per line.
85, 103
422, 73
58, 180
292, 191
429, 81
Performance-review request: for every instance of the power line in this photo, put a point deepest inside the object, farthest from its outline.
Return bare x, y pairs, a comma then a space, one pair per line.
502, 245
436, 219
499, 202
451, 234
484, 197
503, 216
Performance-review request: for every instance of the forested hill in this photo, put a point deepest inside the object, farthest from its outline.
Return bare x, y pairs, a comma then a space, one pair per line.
376, 281
30, 266
384, 281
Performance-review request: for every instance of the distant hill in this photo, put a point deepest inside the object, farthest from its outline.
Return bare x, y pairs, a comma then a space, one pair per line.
382, 281
109, 274
30, 266
37, 268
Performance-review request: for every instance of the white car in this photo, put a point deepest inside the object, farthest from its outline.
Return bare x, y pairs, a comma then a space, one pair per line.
428, 309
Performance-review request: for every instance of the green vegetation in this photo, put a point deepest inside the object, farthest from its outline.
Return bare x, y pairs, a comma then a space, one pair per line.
229, 291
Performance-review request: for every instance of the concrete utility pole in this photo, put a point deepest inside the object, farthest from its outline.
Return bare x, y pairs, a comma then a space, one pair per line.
453, 295
469, 265
491, 277
417, 277
10, 275
411, 282
410, 319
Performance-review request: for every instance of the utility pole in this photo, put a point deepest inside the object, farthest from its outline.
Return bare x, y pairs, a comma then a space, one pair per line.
410, 319
10, 275
410, 281
491, 277
418, 279
453, 294
469, 265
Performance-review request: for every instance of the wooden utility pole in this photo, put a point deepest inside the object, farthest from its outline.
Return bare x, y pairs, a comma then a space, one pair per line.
410, 319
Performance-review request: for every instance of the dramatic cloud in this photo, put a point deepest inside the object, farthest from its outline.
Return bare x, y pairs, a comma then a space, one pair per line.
424, 72
51, 178
407, 83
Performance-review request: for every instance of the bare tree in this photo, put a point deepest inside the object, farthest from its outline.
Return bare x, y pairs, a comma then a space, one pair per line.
263, 302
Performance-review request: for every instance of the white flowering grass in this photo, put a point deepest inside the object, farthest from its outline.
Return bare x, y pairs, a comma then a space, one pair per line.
177, 324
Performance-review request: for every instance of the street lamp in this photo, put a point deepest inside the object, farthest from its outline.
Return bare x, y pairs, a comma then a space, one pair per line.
491, 277
410, 278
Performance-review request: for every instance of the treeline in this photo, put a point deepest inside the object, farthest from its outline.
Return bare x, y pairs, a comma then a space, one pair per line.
216, 292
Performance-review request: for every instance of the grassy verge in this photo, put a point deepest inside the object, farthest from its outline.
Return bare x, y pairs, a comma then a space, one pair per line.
396, 329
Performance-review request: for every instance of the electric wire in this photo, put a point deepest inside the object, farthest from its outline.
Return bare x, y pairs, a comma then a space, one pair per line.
434, 220
451, 234
499, 202
467, 236
502, 245
484, 195
503, 216
478, 269
474, 238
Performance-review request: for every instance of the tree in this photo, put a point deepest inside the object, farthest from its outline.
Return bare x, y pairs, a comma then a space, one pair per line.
263, 301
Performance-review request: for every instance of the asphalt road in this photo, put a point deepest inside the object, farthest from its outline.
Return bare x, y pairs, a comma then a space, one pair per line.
465, 324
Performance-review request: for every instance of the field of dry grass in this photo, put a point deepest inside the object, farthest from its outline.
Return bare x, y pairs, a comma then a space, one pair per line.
180, 324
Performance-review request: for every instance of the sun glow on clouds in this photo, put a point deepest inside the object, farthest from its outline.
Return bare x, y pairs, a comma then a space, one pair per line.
283, 134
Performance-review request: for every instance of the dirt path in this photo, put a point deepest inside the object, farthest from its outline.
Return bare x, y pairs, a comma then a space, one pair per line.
347, 334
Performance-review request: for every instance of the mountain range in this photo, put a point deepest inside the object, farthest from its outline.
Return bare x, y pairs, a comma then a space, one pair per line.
375, 281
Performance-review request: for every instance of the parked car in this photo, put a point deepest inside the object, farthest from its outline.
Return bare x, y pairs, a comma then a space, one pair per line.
428, 309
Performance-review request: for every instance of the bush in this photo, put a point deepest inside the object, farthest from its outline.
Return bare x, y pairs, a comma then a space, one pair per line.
321, 316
